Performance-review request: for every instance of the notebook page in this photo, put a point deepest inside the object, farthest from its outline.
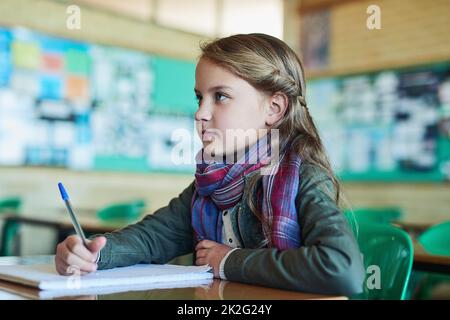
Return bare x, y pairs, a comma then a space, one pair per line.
45, 277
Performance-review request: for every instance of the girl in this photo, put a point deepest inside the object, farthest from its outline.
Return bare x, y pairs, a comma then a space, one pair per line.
280, 229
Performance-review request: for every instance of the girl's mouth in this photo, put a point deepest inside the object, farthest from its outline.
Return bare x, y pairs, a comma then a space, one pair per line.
207, 136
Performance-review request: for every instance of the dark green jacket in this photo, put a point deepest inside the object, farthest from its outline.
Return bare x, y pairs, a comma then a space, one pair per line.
329, 262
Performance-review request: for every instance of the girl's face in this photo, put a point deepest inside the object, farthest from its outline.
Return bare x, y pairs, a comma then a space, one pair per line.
230, 110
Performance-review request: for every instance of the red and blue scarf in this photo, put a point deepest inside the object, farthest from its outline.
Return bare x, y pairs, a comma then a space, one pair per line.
219, 186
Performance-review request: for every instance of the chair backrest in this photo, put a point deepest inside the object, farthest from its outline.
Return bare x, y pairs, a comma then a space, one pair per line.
10, 204
381, 215
436, 239
10, 229
388, 256
125, 211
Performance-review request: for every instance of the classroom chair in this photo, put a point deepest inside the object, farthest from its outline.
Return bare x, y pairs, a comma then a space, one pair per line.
120, 214
130, 212
10, 229
435, 240
125, 211
379, 215
388, 254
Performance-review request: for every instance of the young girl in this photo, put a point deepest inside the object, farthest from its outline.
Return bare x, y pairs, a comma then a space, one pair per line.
282, 228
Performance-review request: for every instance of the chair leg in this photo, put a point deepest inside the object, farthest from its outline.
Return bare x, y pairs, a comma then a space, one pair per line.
9, 235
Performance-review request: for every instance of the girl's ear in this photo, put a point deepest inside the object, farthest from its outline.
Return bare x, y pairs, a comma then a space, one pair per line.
277, 107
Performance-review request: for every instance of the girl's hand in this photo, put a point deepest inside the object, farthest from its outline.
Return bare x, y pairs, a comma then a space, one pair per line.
212, 253
71, 253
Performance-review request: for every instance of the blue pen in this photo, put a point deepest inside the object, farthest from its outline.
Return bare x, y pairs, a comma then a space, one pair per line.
74, 219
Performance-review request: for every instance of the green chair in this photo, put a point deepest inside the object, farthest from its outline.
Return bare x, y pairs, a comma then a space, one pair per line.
116, 214
435, 240
122, 212
10, 229
388, 254
380, 215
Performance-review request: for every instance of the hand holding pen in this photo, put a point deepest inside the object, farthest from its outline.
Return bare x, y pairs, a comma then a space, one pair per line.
77, 251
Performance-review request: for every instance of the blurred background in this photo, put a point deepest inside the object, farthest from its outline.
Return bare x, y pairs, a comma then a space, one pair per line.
91, 92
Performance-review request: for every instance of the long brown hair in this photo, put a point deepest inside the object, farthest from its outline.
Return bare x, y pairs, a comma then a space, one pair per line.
270, 65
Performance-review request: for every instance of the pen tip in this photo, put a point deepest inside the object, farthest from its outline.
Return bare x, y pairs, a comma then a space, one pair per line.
63, 192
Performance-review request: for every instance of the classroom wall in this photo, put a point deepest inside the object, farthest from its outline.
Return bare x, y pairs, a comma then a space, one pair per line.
100, 26
89, 190
414, 32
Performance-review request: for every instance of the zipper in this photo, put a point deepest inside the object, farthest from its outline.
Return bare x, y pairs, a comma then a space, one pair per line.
239, 225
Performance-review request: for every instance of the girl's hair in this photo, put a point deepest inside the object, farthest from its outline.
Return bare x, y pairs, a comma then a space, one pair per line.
270, 65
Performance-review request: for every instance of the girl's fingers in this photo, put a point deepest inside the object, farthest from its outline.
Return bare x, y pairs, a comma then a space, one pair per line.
200, 261
61, 266
96, 244
83, 265
66, 270
72, 257
205, 244
81, 251
201, 253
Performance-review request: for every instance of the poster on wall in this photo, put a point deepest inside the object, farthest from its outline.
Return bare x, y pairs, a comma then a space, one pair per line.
315, 39
387, 125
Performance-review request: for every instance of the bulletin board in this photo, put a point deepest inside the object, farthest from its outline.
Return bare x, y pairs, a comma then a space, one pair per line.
391, 125
84, 106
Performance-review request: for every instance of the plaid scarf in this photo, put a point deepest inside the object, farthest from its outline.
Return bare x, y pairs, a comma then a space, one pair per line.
219, 186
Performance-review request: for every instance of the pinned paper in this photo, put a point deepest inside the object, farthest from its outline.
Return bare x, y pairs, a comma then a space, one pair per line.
5, 57
52, 62
77, 88
64, 134
26, 55
41, 134
51, 87
5, 37
14, 135
8, 102
25, 81
359, 153
54, 110
81, 157
77, 62
5, 68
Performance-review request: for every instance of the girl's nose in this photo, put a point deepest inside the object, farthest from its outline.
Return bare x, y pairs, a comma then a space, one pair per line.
203, 113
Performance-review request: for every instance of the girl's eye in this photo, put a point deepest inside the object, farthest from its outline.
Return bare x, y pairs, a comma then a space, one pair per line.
199, 98
220, 96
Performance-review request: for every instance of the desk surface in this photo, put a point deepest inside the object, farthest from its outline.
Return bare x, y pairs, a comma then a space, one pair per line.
430, 262
414, 227
219, 290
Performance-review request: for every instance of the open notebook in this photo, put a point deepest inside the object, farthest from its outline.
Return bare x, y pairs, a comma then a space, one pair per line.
133, 278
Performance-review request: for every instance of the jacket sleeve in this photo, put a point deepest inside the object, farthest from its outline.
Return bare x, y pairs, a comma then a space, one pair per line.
329, 261
157, 238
